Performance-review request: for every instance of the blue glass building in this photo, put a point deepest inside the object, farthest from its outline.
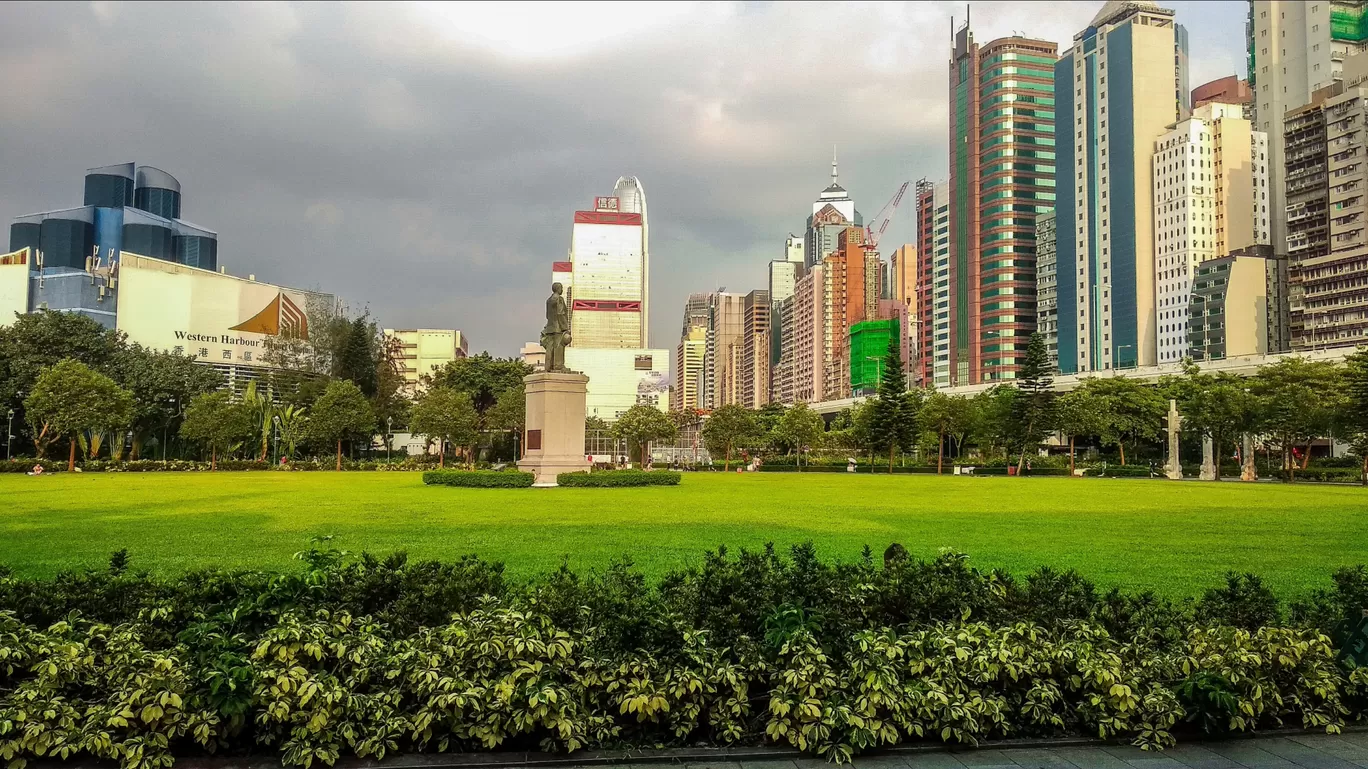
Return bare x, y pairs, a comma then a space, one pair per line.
129, 208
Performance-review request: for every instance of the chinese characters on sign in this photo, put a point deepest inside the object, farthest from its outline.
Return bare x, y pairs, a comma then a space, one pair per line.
606, 204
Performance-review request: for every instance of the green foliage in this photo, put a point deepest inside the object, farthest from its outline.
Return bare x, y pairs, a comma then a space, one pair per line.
1298, 401
447, 416
945, 416
1354, 420
641, 425
1130, 411
483, 378
342, 412
893, 411
728, 428
216, 421
69, 398
800, 429
619, 478
161, 384
37, 341
368, 657
479, 479
1034, 411
509, 411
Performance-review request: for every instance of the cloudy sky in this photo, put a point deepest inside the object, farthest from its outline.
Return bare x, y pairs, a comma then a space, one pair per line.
424, 160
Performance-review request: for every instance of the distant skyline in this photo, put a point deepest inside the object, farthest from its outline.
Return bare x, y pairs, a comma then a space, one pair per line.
425, 160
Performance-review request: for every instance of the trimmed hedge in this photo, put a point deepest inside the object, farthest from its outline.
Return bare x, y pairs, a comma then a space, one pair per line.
479, 479
372, 657
619, 478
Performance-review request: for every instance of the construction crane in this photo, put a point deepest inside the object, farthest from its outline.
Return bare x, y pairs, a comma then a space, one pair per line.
882, 218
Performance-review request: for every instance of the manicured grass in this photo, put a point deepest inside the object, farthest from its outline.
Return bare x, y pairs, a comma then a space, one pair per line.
1175, 537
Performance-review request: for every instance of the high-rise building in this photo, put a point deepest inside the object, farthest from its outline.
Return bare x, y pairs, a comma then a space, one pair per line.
1326, 244
933, 249
904, 267
1111, 104
1001, 175
1047, 286
868, 347
421, 352
845, 301
1234, 305
1227, 90
609, 278
1295, 49
722, 356
755, 346
783, 277
804, 332
690, 354
632, 200
127, 208
832, 213
1210, 197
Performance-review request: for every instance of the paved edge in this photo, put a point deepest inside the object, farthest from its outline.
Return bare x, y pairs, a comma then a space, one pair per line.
681, 756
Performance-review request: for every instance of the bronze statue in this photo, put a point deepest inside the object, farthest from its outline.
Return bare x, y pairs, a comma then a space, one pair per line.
556, 336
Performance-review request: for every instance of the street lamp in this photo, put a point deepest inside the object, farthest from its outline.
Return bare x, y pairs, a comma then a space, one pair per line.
389, 436
9, 434
166, 427
275, 420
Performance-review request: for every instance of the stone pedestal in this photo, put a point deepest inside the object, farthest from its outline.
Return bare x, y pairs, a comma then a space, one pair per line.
1208, 459
554, 439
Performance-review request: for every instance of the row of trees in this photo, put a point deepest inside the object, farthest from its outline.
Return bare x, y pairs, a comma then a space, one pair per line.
1287, 405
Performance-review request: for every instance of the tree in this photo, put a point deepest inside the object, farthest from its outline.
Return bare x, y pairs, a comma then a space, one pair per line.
728, 427
509, 411
851, 428
214, 419
944, 415
292, 421
69, 398
483, 378
261, 408
1078, 413
360, 356
1034, 409
801, 428
35, 342
1215, 406
1130, 411
1298, 403
448, 416
592, 423
342, 412
162, 384
1355, 412
991, 420
892, 416
642, 424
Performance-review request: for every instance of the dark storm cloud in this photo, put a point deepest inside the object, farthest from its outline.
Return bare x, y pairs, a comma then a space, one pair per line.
409, 162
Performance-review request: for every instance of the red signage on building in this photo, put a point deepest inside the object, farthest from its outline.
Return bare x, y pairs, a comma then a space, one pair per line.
605, 306
561, 267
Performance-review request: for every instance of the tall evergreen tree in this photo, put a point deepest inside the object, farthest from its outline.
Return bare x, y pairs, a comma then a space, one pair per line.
893, 419
359, 360
1035, 405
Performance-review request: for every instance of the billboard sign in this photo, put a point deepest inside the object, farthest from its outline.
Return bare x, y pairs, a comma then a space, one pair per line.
213, 317
606, 204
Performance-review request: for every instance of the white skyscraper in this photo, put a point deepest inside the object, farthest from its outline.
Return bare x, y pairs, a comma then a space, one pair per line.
632, 200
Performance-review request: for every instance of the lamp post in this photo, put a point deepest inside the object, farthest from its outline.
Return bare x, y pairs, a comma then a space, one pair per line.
389, 436
166, 427
1118, 355
9, 434
275, 422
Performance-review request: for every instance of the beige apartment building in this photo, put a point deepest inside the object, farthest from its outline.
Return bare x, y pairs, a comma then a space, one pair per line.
425, 351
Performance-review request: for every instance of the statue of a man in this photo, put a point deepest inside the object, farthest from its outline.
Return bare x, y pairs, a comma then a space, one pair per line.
556, 335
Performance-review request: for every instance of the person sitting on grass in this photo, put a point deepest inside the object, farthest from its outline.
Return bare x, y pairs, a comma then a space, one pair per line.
37, 470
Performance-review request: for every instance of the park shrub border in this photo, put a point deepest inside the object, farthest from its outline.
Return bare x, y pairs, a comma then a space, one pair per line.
604, 479
479, 479
829, 658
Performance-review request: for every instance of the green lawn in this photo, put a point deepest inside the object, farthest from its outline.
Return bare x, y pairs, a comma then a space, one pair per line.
1175, 537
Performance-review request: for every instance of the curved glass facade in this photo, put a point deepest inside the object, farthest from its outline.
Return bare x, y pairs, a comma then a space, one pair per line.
149, 240
108, 191
197, 251
66, 242
156, 200
24, 235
